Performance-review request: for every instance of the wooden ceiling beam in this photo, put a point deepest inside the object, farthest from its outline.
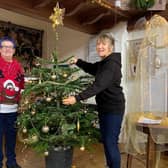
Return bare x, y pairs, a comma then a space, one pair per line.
82, 15
96, 18
105, 25
77, 8
41, 3
111, 6
25, 8
73, 24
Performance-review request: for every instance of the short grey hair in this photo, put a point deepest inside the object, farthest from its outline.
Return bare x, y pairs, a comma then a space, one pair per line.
104, 36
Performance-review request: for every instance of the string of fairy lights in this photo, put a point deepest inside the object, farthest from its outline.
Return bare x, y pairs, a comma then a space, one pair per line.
102, 3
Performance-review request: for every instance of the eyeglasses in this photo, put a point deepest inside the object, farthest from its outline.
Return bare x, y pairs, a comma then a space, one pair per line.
7, 47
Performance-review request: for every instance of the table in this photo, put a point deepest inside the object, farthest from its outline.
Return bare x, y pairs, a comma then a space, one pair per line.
151, 145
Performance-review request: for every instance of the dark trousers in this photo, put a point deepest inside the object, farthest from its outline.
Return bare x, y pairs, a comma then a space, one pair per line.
8, 131
110, 125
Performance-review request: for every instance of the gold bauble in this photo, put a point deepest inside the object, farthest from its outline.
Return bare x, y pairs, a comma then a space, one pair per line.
53, 77
82, 148
24, 130
65, 75
33, 112
46, 153
78, 125
48, 99
45, 129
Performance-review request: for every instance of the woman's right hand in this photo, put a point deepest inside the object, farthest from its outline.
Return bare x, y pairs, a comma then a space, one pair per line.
73, 60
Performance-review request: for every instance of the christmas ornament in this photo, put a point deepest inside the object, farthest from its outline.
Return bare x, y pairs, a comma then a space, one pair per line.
82, 148
78, 125
40, 81
85, 111
65, 75
46, 153
37, 64
45, 129
48, 99
57, 16
53, 76
24, 130
33, 112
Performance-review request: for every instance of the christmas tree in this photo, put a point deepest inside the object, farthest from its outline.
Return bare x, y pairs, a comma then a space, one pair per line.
45, 122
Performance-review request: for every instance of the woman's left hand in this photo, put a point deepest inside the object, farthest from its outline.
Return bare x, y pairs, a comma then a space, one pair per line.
69, 101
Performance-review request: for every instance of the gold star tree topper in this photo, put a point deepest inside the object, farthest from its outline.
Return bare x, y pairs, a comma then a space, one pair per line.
57, 16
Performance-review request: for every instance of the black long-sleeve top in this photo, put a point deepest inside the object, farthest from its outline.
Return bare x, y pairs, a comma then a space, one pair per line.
106, 87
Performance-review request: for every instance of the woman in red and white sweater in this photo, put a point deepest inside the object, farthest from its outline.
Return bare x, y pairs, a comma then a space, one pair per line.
11, 84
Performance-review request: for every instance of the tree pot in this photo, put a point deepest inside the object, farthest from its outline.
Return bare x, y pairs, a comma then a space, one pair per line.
59, 158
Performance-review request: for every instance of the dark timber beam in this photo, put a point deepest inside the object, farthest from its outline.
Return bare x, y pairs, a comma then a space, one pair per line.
41, 3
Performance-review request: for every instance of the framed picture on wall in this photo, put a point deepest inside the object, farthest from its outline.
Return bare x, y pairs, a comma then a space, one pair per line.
133, 52
28, 42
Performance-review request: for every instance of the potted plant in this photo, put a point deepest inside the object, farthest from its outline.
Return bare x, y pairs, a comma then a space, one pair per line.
45, 123
142, 4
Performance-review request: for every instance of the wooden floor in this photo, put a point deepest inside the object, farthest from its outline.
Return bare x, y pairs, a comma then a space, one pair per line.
27, 158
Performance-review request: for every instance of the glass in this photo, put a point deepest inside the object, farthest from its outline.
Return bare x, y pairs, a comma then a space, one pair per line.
7, 47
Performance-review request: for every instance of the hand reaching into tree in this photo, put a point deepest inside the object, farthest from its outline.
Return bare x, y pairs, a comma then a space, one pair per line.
69, 101
73, 60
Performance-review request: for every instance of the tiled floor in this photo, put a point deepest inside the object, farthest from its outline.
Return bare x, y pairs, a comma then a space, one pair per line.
27, 158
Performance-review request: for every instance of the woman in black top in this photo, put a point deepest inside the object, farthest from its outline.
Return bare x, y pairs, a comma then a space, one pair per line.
109, 95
